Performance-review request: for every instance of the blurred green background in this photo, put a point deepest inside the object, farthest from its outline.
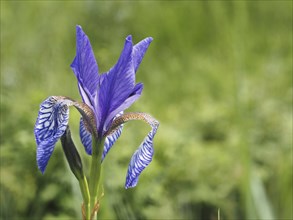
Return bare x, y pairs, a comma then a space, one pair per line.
218, 77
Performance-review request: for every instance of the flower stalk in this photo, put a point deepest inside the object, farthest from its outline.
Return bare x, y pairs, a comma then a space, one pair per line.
86, 197
95, 171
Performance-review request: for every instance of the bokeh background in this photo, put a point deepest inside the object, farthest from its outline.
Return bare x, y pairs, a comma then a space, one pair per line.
218, 77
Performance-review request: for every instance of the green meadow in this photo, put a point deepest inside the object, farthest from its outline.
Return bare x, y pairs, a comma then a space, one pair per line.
218, 78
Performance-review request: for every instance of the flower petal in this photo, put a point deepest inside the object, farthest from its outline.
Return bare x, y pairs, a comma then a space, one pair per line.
87, 98
85, 137
50, 126
141, 158
137, 90
112, 137
139, 50
110, 140
117, 84
84, 65
52, 122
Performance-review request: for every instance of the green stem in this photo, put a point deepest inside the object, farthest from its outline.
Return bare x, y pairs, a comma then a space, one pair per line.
95, 171
86, 196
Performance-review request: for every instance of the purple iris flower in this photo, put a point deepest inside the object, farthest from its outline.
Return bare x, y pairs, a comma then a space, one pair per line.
105, 97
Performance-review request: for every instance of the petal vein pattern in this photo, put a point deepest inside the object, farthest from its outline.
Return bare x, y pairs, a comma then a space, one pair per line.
50, 126
85, 137
110, 140
117, 84
139, 51
141, 158
137, 90
52, 122
84, 64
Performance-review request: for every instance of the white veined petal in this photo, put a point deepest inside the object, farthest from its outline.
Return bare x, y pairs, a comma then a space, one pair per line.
50, 126
85, 137
141, 158
112, 138
52, 122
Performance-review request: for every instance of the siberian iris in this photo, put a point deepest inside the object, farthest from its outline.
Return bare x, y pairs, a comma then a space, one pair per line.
105, 97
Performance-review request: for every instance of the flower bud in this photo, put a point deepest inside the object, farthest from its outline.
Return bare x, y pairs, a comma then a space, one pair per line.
72, 154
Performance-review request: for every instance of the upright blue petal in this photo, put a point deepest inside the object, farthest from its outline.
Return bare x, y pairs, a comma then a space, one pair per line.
141, 158
50, 126
117, 84
85, 67
139, 50
137, 90
85, 137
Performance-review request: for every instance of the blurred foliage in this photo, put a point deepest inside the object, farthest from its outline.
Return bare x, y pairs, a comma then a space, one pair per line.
218, 77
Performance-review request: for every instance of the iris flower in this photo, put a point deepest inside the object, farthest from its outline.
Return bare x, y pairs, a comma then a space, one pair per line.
105, 97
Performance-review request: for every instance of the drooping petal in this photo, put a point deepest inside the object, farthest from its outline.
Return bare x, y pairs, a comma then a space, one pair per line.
110, 140
112, 137
143, 156
117, 84
51, 125
139, 50
137, 90
84, 66
85, 137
